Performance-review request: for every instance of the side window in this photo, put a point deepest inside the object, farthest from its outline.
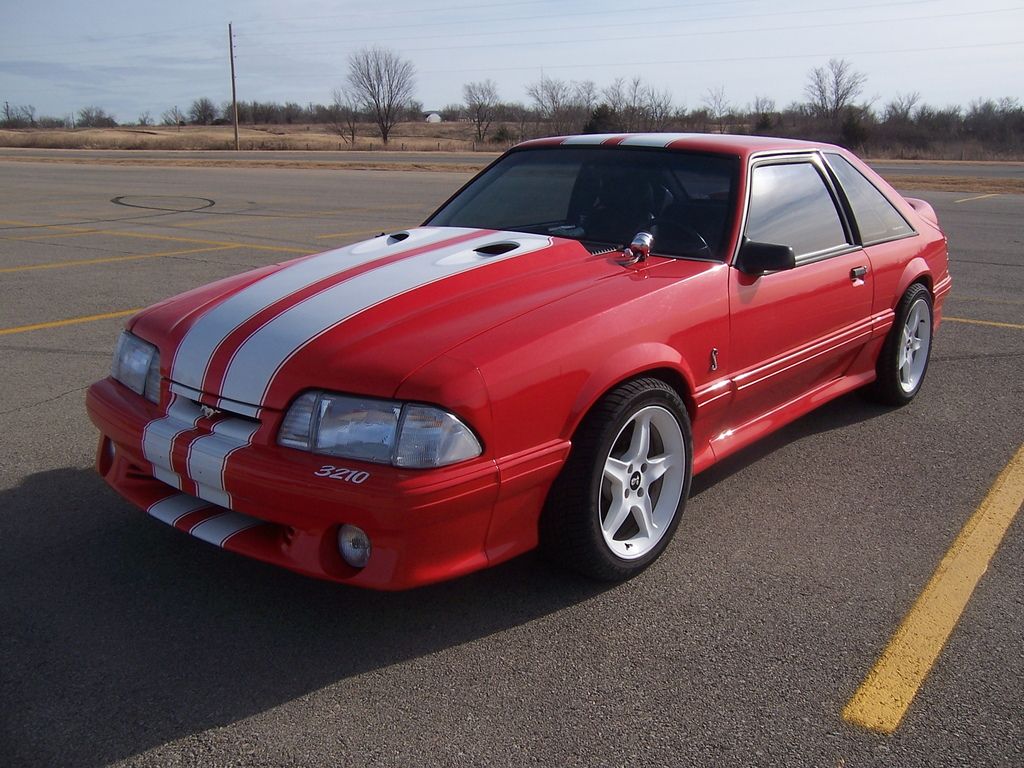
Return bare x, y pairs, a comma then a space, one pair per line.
790, 205
877, 218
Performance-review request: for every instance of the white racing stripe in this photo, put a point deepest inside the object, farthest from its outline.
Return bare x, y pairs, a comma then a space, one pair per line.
173, 508
258, 359
158, 437
208, 456
656, 139
636, 140
201, 340
218, 529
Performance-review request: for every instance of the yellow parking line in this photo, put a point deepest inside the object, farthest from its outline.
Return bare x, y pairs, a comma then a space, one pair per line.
198, 241
113, 259
348, 234
976, 197
53, 236
889, 688
69, 321
147, 236
993, 323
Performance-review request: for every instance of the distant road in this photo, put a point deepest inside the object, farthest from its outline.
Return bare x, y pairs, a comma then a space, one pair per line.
253, 157
459, 160
948, 168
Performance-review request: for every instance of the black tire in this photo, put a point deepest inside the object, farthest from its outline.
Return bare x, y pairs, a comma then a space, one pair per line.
582, 503
894, 386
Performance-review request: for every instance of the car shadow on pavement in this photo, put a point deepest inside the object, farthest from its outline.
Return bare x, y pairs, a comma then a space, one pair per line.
120, 634
846, 411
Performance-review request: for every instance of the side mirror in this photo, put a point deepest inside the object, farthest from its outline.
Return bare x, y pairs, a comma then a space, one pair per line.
757, 258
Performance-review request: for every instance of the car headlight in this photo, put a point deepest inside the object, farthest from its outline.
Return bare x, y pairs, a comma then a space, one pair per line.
379, 431
137, 366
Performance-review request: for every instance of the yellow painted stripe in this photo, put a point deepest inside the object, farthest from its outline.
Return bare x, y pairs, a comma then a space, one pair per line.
889, 688
82, 231
198, 241
349, 234
993, 323
69, 321
53, 236
976, 197
112, 259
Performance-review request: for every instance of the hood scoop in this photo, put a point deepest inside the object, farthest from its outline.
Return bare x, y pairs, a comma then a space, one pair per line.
397, 237
496, 249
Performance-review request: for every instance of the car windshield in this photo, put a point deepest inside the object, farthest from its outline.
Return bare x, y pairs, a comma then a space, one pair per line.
604, 196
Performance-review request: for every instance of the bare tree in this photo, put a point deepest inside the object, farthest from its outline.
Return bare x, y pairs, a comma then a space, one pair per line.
145, 119
203, 111
565, 106
717, 105
636, 106
18, 116
481, 99
658, 109
173, 116
763, 111
831, 90
95, 117
901, 108
345, 114
384, 84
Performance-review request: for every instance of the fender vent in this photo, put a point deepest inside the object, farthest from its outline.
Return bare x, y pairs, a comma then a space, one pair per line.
496, 249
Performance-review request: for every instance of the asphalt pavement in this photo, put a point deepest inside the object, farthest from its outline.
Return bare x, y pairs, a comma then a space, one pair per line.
124, 642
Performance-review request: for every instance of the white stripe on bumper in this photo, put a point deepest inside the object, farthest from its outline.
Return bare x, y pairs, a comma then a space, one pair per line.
217, 530
173, 508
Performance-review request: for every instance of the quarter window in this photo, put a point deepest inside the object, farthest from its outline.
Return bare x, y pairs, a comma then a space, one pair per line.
877, 218
790, 205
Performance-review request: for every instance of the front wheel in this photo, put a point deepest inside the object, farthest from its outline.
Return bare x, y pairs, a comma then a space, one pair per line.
903, 360
619, 498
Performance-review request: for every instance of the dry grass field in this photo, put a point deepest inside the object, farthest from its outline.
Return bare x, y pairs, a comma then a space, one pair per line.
445, 137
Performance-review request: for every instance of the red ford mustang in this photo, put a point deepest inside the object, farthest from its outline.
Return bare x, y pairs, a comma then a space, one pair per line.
548, 360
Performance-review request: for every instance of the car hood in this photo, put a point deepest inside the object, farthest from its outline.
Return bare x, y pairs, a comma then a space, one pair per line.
361, 318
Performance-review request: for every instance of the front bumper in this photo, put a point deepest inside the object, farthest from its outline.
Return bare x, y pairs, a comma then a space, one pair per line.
269, 503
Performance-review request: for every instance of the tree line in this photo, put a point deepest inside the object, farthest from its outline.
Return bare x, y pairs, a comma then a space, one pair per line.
378, 93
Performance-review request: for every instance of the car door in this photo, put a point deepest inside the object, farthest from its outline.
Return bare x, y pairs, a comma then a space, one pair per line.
795, 330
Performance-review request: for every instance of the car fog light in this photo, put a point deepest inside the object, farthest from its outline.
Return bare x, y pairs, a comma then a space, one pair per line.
354, 545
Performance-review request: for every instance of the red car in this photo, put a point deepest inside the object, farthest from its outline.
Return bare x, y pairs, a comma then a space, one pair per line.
583, 327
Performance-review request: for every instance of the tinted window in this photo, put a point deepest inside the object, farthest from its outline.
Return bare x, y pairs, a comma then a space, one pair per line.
877, 218
790, 205
604, 195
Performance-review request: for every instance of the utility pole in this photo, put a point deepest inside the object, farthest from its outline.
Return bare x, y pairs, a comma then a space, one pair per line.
234, 97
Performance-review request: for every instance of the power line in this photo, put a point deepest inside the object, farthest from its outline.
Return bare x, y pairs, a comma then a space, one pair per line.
733, 59
630, 11
660, 36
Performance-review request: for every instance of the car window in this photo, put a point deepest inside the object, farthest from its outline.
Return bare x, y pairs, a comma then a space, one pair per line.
605, 196
525, 195
877, 218
790, 205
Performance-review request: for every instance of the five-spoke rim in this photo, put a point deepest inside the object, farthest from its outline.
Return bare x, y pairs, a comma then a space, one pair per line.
914, 343
642, 483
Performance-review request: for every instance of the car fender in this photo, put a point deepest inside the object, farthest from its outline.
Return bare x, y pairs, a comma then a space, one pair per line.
916, 269
630, 363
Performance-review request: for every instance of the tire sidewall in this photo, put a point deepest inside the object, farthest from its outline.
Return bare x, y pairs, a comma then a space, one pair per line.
889, 371
667, 399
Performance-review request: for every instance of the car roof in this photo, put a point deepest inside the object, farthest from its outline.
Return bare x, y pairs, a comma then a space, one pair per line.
742, 146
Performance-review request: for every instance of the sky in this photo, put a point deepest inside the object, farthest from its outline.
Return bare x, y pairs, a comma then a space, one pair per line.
136, 56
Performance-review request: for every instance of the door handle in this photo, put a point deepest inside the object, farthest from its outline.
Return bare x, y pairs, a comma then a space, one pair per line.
857, 273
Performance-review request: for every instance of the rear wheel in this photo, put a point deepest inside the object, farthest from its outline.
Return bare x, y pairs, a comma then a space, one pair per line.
619, 498
903, 361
